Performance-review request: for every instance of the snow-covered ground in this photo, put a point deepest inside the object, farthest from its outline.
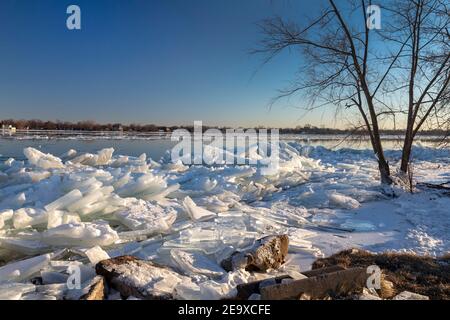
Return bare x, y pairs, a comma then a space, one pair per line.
77, 209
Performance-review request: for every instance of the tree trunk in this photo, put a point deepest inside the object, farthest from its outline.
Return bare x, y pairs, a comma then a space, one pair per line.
406, 154
385, 173
407, 144
383, 165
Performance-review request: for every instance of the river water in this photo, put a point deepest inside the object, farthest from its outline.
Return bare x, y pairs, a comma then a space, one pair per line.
156, 148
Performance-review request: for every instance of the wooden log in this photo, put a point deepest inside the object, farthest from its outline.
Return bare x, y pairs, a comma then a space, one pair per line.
320, 286
245, 290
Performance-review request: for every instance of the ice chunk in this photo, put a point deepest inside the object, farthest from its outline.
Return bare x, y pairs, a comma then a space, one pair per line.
37, 296
104, 156
119, 162
341, 201
24, 246
123, 180
57, 218
96, 254
81, 234
44, 161
83, 184
162, 194
14, 291
94, 208
23, 270
27, 217
196, 213
55, 290
198, 234
90, 198
225, 288
406, 295
38, 175
69, 154
147, 216
65, 200
6, 215
145, 185
214, 203
82, 159
187, 291
193, 263
14, 201
130, 248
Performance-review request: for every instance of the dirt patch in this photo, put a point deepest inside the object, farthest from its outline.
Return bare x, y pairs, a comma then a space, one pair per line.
424, 275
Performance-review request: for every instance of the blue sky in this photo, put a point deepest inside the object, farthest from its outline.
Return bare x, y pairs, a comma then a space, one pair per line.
156, 61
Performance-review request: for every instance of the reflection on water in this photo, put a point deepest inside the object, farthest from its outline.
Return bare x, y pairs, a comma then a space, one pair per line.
156, 148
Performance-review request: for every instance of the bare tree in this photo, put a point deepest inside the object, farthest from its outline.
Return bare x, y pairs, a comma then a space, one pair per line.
348, 64
426, 59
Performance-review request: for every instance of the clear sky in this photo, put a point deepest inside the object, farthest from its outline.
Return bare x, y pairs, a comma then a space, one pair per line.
156, 61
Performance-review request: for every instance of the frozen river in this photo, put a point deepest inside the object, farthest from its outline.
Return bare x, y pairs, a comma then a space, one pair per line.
155, 147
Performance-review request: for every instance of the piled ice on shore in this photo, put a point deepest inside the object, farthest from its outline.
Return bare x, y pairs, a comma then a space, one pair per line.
59, 214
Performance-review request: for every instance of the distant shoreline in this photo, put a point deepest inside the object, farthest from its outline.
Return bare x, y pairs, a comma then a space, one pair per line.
134, 135
33, 127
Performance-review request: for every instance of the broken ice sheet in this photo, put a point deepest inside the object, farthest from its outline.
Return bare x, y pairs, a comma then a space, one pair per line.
213, 203
102, 157
192, 263
44, 161
83, 234
23, 270
80, 182
14, 201
147, 216
27, 217
145, 185
213, 289
14, 291
90, 198
199, 234
6, 215
24, 246
195, 212
358, 225
64, 201
338, 200
96, 254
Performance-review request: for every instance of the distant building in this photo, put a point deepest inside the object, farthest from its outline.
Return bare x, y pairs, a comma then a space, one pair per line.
8, 129
117, 127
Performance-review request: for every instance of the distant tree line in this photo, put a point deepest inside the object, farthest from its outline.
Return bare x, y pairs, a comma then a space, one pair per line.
79, 126
118, 127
